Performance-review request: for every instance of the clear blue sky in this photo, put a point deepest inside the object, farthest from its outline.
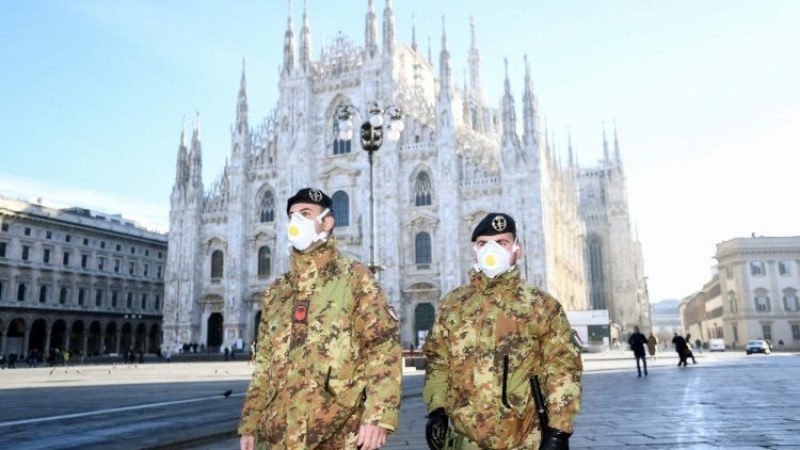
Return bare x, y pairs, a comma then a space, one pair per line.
705, 97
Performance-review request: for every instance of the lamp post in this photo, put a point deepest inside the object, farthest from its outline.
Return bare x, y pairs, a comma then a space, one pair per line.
371, 133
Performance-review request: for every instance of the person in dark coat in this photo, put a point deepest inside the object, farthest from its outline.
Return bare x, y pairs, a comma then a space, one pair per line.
637, 341
682, 348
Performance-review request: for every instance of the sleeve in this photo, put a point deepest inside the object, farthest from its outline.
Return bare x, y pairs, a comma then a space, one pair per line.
255, 398
378, 330
436, 349
562, 369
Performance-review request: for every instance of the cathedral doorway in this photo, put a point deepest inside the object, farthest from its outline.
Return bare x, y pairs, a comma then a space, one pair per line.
424, 315
214, 339
58, 335
38, 335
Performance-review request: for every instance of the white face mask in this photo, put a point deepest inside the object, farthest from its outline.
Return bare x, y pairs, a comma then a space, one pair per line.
493, 259
303, 232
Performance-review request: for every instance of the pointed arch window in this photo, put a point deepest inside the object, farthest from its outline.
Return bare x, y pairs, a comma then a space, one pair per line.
267, 208
340, 146
264, 262
341, 208
216, 265
422, 250
423, 189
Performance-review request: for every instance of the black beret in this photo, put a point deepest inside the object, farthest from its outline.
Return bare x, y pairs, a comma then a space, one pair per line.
309, 195
495, 223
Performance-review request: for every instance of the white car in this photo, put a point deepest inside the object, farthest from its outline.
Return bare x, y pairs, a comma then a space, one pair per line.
757, 346
716, 345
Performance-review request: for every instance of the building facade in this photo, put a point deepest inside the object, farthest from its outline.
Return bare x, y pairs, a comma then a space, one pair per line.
457, 159
701, 313
78, 280
759, 280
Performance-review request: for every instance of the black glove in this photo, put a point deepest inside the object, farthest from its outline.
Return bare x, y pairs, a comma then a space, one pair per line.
554, 439
436, 429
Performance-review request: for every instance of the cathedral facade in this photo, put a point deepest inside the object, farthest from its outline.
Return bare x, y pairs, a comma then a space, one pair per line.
457, 159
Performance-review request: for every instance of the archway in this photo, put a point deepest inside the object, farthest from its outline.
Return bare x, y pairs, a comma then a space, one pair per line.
214, 339
125, 343
58, 335
76, 336
95, 338
15, 339
37, 338
141, 337
154, 339
110, 342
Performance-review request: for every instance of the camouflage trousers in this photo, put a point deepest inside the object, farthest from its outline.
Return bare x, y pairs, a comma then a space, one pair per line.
456, 441
343, 439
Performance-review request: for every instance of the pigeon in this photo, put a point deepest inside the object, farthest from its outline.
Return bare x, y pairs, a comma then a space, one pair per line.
216, 371
227, 393
52, 370
79, 371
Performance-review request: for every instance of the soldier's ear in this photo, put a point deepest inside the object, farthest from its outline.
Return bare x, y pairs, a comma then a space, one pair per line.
328, 222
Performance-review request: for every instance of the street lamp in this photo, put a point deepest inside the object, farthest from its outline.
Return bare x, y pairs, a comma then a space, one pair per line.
371, 133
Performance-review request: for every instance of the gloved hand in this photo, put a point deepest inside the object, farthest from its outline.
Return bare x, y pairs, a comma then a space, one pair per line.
436, 429
555, 439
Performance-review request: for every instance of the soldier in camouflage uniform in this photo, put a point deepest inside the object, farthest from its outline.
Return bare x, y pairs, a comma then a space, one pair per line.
328, 370
490, 337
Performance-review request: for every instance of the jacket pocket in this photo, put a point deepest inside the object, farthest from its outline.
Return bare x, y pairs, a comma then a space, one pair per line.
272, 424
336, 402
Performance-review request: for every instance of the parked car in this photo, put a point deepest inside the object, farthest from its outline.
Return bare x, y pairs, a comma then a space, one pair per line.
716, 345
757, 346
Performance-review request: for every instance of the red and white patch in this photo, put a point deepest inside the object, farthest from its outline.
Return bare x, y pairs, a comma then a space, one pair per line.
300, 313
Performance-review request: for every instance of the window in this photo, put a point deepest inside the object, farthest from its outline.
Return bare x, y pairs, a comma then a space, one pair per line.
423, 189
146, 252
46, 256
766, 331
67, 238
783, 268
762, 303
264, 262
81, 296
66, 258
790, 302
1, 290
2, 249
85, 241
146, 269
116, 266
62, 296
5, 227
732, 302
216, 265
144, 301
84, 261
42, 294
129, 301
422, 247
119, 248
340, 146
133, 250
131, 268
114, 298
102, 244
48, 235
757, 268
27, 231
267, 209
159, 255
21, 292
25, 252
796, 331
101, 262
157, 304
98, 297
341, 208
158, 272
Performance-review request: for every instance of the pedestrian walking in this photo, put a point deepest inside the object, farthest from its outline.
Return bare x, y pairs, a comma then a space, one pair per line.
682, 348
495, 341
652, 346
637, 341
328, 368
689, 353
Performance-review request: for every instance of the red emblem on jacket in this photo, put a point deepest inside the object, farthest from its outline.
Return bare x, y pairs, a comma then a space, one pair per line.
300, 312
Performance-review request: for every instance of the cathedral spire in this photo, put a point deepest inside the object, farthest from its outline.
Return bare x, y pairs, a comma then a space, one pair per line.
510, 139
616, 145
371, 31
605, 144
288, 45
305, 41
241, 105
430, 58
413, 32
388, 28
182, 165
474, 61
445, 71
196, 156
530, 110
569, 148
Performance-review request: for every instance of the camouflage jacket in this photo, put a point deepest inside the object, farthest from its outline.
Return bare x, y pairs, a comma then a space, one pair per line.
328, 350
489, 338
